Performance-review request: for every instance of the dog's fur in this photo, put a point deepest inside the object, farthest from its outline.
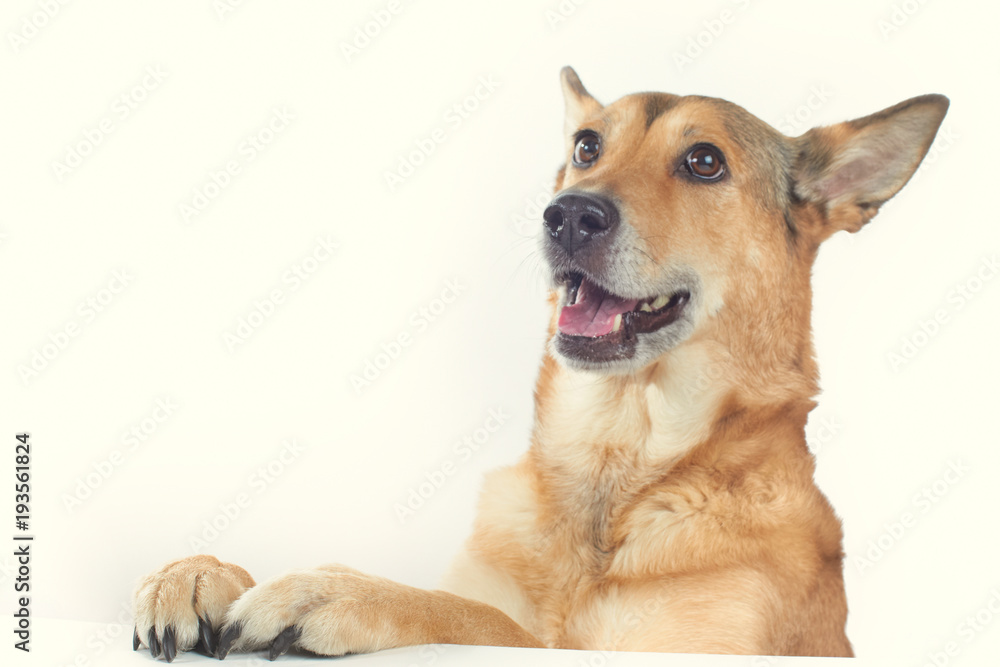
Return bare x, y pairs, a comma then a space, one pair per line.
667, 500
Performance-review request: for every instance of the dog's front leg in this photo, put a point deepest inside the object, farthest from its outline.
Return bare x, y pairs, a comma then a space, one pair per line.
333, 610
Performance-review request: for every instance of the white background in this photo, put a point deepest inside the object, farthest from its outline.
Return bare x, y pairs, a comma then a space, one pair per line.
890, 431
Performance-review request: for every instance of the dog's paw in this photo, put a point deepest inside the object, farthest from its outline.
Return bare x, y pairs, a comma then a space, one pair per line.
329, 610
183, 605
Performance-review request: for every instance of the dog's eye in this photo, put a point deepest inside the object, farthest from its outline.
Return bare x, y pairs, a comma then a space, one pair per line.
706, 162
588, 148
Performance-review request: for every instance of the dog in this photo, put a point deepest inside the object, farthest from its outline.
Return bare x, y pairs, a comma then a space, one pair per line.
667, 500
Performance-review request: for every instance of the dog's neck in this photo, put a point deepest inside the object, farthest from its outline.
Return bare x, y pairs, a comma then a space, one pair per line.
599, 441
653, 416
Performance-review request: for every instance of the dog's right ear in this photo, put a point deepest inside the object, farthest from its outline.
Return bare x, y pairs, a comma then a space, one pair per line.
579, 103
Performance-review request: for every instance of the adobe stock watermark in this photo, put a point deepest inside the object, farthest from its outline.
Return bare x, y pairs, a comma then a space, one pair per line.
461, 452
367, 32
291, 280
454, 118
121, 108
419, 321
8, 569
429, 654
223, 8
923, 502
32, 24
821, 431
117, 631
943, 142
702, 41
43, 356
258, 482
957, 299
528, 221
249, 149
899, 16
631, 621
559, 14
971, 627
797, 121
131, 439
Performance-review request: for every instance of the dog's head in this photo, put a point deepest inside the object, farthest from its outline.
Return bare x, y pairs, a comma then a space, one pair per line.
678, 217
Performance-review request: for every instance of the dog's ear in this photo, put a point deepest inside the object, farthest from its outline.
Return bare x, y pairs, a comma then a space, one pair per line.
579, 103
849, 170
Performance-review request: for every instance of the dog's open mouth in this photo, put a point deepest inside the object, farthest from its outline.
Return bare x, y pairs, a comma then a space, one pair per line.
594, 313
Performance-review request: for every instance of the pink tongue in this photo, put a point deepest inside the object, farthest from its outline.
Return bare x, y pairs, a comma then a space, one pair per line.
594, 312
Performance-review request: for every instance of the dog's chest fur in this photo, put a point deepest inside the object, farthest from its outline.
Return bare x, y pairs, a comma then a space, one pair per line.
619, 500
586, 519
581, 557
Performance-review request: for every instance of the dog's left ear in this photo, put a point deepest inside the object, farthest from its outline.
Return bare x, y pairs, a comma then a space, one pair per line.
579, 103
849, 170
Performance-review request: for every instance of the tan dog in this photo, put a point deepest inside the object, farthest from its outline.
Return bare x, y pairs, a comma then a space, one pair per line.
667, 501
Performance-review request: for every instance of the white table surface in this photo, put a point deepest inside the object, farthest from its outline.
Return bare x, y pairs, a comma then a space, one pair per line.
63, 643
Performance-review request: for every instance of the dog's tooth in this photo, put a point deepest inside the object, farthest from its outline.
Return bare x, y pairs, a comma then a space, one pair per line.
645, 307
618, 323
660, 302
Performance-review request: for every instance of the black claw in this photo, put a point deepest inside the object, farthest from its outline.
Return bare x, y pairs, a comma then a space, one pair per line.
169, 644
227, 639
154, 643
136, 642
284, 641
206, 638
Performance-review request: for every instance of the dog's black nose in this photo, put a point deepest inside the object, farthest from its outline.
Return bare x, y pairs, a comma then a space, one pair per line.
575, 219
